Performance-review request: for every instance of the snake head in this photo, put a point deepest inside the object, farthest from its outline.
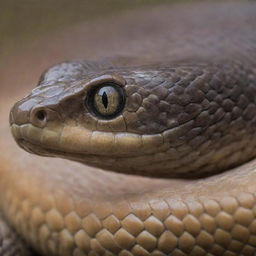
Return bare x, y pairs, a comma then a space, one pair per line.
164, 121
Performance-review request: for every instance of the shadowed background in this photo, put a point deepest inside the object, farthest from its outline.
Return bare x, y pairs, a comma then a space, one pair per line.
36, 34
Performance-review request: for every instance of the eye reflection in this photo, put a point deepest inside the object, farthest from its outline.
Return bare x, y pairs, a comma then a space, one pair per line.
106, 101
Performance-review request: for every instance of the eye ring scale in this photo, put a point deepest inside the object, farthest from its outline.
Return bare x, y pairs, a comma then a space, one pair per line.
105, 101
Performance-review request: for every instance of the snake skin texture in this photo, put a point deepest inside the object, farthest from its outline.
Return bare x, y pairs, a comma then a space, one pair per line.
178, 120
10, 242
183, 221
187, 126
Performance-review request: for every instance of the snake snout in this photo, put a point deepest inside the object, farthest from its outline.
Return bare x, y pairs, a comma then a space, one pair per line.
31, 112
20, 112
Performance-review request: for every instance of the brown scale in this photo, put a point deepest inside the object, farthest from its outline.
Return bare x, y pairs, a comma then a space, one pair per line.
188, 112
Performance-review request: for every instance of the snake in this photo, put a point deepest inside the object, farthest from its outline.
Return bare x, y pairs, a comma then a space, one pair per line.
164, 140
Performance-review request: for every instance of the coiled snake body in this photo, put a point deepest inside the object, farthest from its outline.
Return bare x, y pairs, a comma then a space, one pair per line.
187, 111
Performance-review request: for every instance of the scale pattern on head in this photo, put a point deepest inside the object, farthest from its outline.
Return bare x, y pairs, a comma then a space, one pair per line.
174, 119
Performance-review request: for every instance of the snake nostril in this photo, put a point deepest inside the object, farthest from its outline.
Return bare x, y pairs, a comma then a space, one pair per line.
41, 115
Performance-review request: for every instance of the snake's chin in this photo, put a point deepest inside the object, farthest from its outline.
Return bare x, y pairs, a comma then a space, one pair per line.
37, 148
33, 148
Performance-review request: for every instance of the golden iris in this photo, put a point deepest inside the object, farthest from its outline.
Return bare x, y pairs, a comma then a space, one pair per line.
106, 101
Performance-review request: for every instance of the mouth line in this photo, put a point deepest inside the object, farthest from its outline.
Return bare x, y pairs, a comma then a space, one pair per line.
100, 161
34, 148
37, 148
49, 152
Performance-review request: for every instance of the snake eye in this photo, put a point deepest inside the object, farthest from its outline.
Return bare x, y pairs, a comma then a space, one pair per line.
106, 101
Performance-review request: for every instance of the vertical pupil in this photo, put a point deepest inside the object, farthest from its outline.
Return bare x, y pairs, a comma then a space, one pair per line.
105, 99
